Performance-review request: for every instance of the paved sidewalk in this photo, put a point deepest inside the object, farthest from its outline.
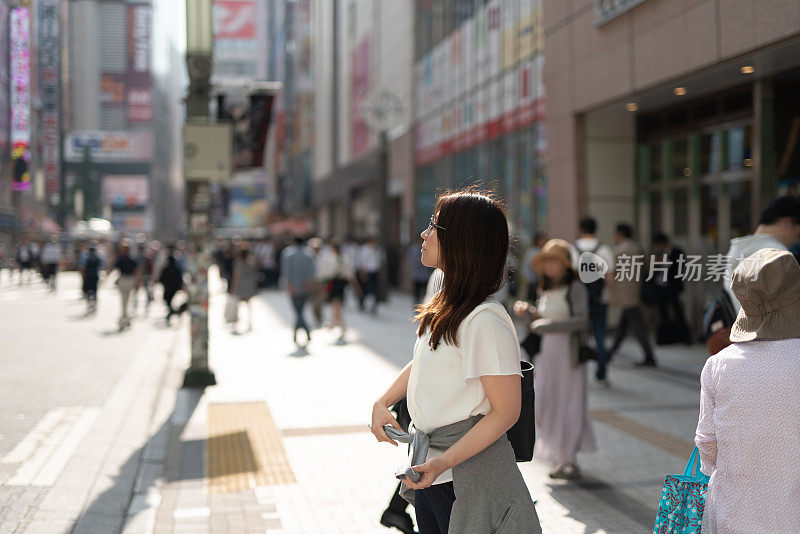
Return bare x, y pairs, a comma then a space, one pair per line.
78, 399
281, 444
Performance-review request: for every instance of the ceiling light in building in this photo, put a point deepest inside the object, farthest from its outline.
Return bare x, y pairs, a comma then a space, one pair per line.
748, 162
687, 171
679, 91
747, 69
631, 106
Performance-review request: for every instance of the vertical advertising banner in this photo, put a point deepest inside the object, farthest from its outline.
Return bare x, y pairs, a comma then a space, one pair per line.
50, 90
140, 85
20, 68
4, 82
359, 92
236, 52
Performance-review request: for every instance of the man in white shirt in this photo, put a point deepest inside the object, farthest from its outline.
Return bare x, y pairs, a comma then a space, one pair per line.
778, 227
371, 259
51, 257
598, 300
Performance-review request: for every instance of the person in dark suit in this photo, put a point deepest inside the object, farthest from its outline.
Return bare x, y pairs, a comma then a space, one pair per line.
667, 287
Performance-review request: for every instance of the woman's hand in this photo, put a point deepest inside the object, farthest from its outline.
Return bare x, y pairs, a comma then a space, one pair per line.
430, 471
521, 308
382, 416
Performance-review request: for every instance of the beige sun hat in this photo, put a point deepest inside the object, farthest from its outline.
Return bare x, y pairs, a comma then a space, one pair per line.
767, 285
556, 249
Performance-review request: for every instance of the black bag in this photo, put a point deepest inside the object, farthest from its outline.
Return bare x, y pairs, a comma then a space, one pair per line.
401, 414
523, 434
532, 344
719, 314
585, 352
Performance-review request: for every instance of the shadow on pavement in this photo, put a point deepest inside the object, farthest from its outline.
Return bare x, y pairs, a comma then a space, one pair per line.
144, 469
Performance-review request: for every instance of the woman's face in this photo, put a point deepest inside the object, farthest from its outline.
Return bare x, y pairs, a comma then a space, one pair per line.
431, 251
553, 269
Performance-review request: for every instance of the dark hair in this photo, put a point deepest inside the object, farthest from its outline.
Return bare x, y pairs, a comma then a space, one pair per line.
588, 225
545, 282
539, 235
298, 240
625, 230
473, 251
779, 208
661, 237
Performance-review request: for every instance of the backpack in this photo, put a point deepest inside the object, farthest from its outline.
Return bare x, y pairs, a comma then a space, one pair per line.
595, 288
719, 315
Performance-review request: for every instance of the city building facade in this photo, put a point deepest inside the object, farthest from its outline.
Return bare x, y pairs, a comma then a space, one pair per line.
479, 114
678, 116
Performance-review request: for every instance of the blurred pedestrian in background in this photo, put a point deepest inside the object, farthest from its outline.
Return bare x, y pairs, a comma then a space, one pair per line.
420, 273
598, 298
667, 279
749, 422
317, 294
561, 317
25, 257
128, 280
336, 269
244, 282
171, 278
90, 265
299, 274
626, 293
51, 258
371, 261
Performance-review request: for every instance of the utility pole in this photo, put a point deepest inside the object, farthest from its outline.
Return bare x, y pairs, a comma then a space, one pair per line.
199, 50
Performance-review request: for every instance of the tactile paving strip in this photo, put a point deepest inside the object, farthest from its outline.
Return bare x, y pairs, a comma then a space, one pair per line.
245, 448
648, 434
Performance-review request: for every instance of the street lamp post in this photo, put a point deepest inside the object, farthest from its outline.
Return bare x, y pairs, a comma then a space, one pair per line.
199, 61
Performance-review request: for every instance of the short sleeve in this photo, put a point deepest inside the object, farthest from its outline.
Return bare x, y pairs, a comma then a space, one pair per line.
489, 345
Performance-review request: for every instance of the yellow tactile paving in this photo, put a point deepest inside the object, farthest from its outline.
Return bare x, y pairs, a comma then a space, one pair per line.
244, 448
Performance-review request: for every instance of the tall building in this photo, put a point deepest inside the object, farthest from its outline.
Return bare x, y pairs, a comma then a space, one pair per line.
681, 117
118, 144
480, 105
363, 48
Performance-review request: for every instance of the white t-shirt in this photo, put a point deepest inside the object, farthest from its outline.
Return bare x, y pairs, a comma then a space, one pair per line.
444, 386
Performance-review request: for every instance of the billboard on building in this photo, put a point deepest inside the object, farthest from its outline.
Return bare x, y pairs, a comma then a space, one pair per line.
139, 80
248, 206
20, 69
250, 115
109, 147
236, 39
129, 192
50, 91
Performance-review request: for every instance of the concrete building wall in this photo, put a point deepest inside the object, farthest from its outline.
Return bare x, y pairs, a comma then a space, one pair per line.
645, 50
85, 65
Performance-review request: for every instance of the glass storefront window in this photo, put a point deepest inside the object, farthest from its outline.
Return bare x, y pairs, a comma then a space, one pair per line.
738, 148
680, 159
709, 214
680, 211
656, 163
740, 194
710, 146
655, 211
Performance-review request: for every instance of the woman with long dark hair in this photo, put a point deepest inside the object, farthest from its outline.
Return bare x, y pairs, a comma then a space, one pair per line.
463, 384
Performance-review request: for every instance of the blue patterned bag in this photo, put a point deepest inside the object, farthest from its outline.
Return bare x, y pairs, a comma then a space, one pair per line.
683, 500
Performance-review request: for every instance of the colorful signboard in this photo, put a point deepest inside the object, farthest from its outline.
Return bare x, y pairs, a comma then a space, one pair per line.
4, 83
140, 85
20, 67
482, 81
50, 91
126, 192
109, 147
236, 38
359, 93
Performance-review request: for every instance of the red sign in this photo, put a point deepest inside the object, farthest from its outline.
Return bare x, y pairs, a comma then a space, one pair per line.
235, 19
